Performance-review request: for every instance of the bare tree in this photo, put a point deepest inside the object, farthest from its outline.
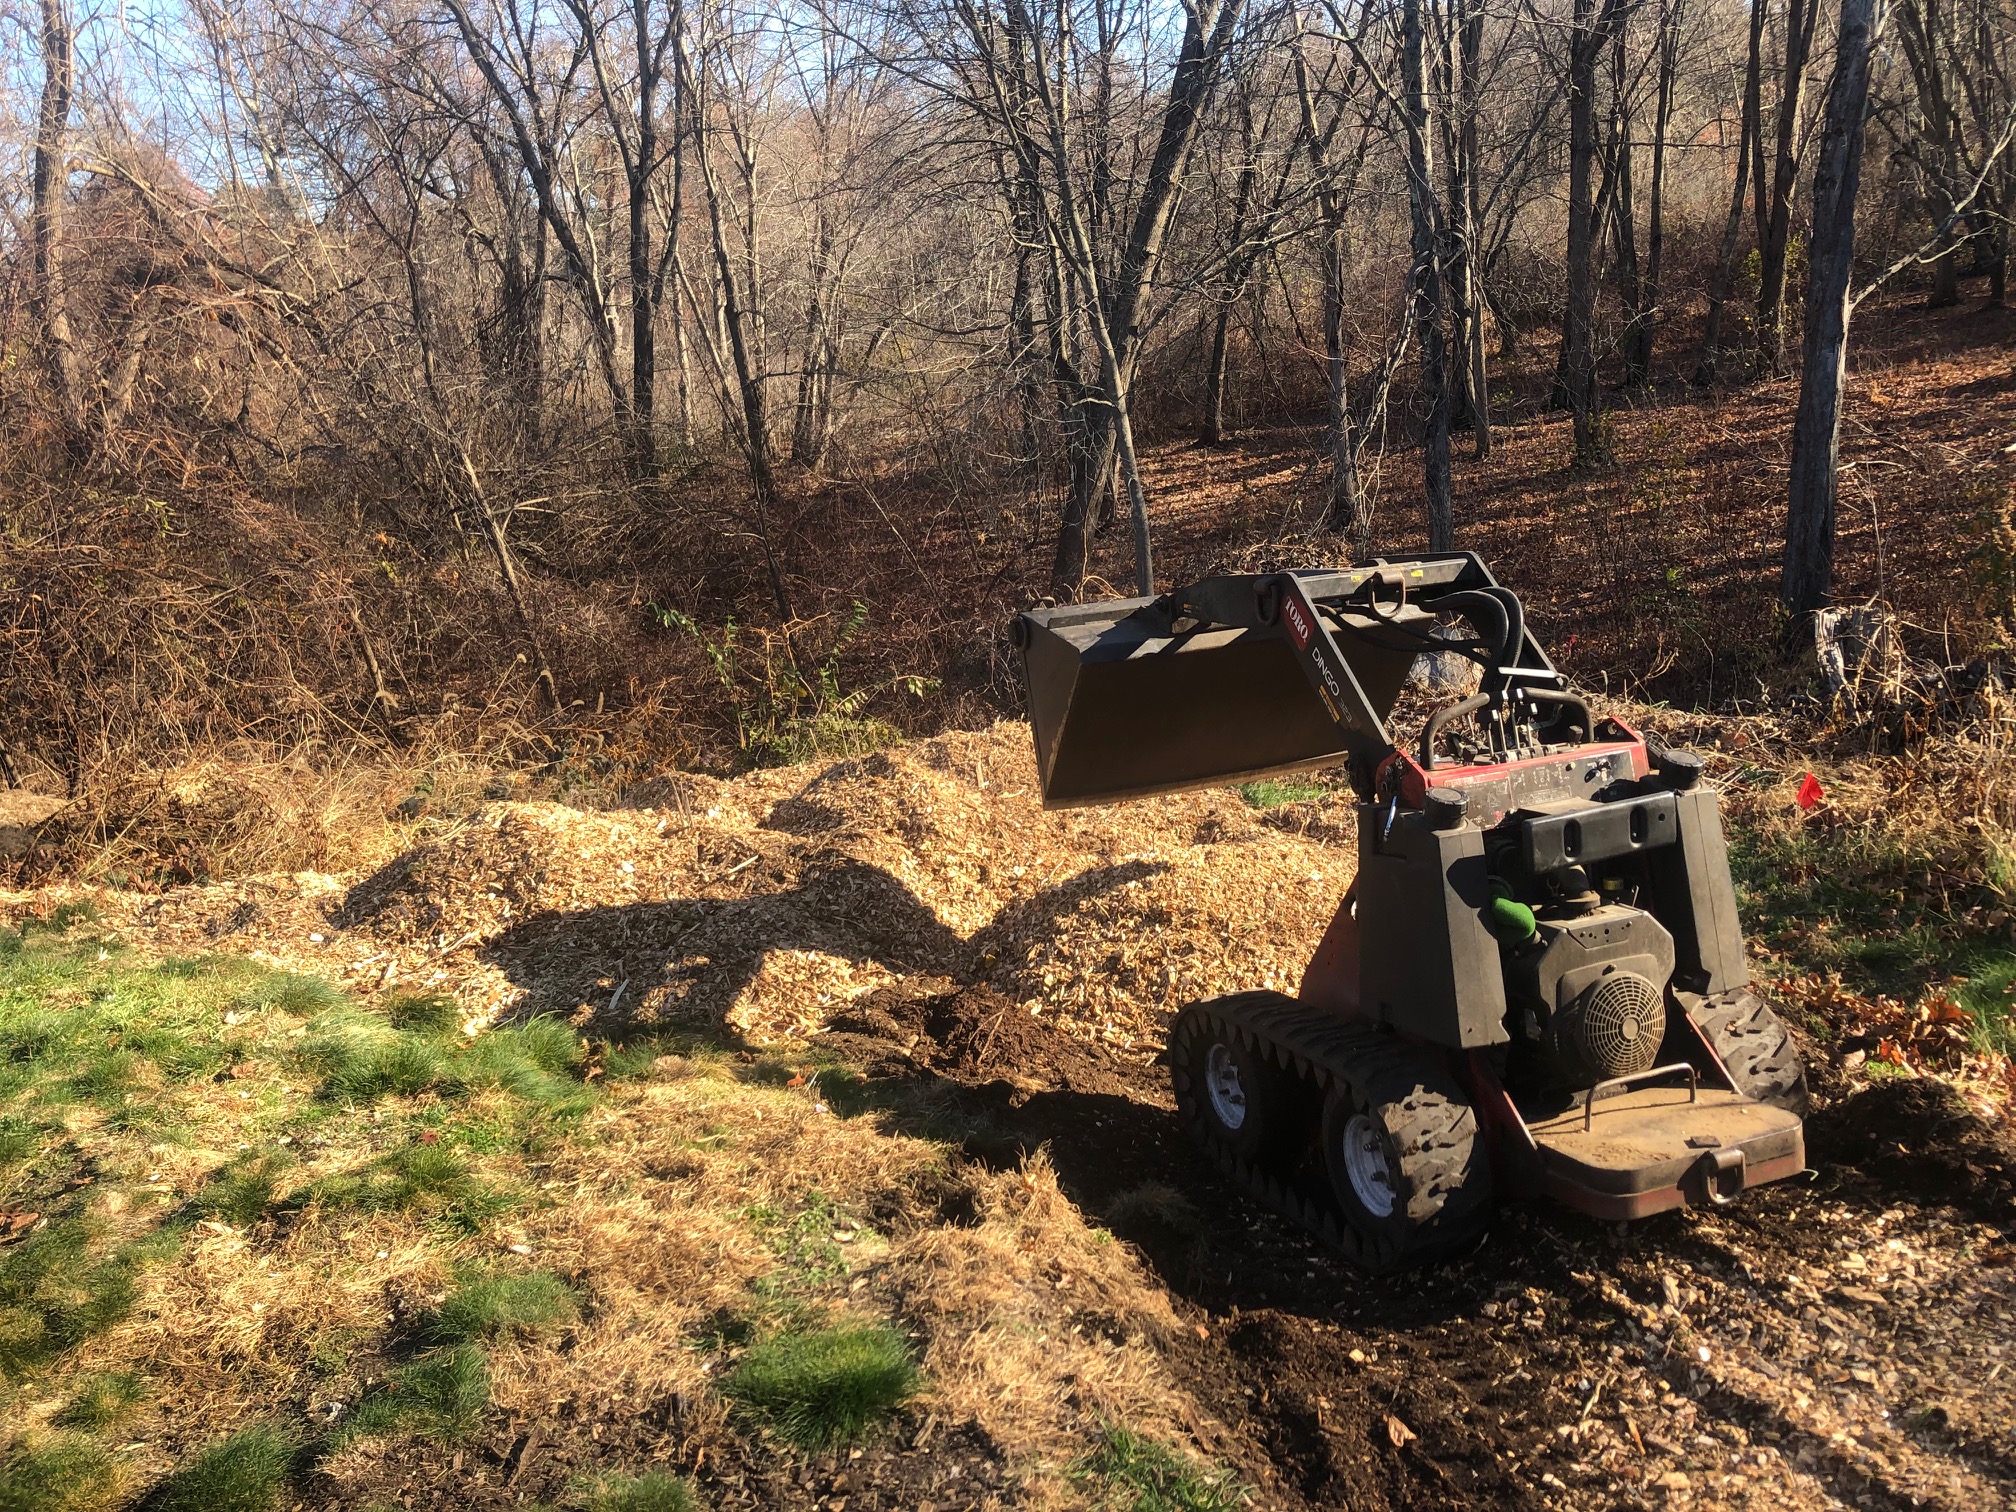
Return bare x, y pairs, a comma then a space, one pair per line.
1816, 428
1336, 173
1014, 72
1471, 402
1831, 300
630, 106
1709, 366
716, 119
1425, 279
1774, 230
49, 192
1645, 310
1594, 25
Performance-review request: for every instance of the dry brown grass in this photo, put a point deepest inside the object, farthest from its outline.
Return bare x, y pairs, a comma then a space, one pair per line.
1041, 1328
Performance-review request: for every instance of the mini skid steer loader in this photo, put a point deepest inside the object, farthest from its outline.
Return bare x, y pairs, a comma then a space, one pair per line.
1536, 982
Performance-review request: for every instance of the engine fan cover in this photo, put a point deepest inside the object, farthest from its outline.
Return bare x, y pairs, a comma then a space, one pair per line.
1613, 1027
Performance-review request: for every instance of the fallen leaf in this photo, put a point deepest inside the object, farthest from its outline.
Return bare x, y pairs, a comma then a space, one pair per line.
1398, 1432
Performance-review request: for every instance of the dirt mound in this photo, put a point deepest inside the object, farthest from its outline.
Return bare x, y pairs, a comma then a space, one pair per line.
972, 1035
1919, 1136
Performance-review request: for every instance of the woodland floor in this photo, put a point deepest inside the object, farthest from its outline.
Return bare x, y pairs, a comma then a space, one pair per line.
1654, 574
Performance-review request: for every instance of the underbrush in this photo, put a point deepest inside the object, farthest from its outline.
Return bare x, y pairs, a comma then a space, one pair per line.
1887, 908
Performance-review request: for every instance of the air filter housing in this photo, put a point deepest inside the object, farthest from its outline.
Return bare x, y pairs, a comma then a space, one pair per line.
1594, 992
1613, 1027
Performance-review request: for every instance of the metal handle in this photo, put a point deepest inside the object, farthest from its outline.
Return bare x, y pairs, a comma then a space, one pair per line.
1617, 1082
1722, 1175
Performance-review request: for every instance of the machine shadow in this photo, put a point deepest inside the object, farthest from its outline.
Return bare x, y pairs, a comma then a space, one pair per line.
683, 963
1106, 1124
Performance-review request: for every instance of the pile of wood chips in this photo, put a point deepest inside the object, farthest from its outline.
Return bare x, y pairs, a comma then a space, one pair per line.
771, 900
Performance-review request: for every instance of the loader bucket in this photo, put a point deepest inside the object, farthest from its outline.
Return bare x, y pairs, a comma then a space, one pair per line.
1122, 709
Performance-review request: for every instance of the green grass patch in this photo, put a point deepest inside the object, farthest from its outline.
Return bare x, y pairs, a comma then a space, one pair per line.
1272, 792
1886, 910
102, 1401
292, 992
68, 1472
443, 1395
653, 1491
1989, 995
435, 1012
21, 1139
430, 1180
57, 1288
243, 1473
1129, 1473
827, 1387
243, 1192
364, 1057
487, 1306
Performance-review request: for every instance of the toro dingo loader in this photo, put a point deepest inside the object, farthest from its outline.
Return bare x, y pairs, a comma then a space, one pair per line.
1536, 982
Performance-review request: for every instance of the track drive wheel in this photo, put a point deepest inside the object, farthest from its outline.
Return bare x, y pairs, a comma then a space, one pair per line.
1406, 1159
1249, 1105
1755, 1045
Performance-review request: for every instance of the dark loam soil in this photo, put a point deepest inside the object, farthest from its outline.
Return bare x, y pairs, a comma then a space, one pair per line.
1844, 1340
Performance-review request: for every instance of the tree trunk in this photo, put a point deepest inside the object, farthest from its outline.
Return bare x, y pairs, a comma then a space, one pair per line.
1237, 270
1470, 49
1212, 432
1998, 267
51, 181
1816, 428
643, 280
1427, 281
1578, 356
1624, 206
808, 426
1349, 507
1024, 367
1707, 369
1644, 328
1801, 17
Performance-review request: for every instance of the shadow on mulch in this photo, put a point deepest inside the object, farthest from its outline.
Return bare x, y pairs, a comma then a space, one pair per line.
692, 958
1918, 1138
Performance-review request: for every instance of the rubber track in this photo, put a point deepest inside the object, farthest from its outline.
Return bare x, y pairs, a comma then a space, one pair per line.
1323, 1050
1755, 1045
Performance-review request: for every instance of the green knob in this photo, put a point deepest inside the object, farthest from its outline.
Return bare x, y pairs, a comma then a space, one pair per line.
1511, 921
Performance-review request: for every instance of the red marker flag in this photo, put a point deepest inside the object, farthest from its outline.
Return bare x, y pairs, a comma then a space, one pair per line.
1810, 792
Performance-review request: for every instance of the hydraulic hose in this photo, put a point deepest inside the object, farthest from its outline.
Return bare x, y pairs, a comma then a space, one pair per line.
1494, 625
1515, 626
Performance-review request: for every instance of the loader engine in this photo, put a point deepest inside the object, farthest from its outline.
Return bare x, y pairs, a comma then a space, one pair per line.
1587, 991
